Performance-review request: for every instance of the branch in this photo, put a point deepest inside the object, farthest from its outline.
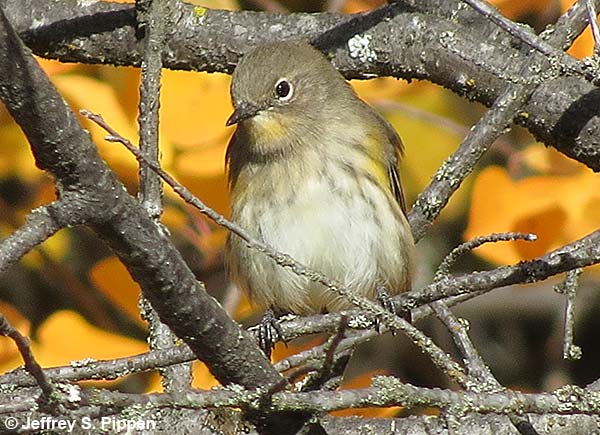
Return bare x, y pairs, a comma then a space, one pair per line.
408, 39
581, 253
154, 18
568, 63
385, 391
40, 225
31, 365
105, 369
456, 253
569, 288
593, 20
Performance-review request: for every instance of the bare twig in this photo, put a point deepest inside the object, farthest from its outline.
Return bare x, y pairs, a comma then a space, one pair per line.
567, 62
456, 253
483, 379
422, 115
580, 253
569, 288
334, 343
476, 367
330, 362
40, 225
593, 20
385, 391
106, 369
31, 365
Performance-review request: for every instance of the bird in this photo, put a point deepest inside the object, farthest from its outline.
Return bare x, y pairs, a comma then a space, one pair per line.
313, 173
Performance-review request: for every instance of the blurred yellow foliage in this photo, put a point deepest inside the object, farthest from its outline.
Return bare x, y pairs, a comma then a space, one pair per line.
9, 354
559, 209
83, 92
64, 337
584, 44
15, 156
517, 9
56, 248
202, 379
113, 279
194, 107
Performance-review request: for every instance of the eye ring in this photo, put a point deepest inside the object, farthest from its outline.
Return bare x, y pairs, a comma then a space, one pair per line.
284, 89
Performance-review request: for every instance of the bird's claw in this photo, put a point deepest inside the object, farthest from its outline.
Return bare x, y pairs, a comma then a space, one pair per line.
385, 300
269, 332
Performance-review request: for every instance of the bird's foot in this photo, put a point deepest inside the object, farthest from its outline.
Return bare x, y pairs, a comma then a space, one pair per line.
269, 332
386, 302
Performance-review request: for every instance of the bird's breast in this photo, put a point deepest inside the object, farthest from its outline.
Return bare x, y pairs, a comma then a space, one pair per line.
330, 219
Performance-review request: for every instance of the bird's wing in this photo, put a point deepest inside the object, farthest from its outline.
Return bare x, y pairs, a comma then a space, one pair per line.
395, 151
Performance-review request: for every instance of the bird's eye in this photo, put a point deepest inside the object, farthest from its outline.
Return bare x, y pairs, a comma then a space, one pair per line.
283, 89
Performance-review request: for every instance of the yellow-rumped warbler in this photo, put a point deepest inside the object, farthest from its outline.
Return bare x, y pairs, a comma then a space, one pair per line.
313, 173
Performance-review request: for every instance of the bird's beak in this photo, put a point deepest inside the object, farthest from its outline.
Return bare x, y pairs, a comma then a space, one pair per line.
242, 111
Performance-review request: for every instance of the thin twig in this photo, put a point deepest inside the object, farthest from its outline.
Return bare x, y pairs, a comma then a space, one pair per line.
593, 20
328, 322
42, 223
567, 62
89, 369
476, 367
580, 253
318, 376
456, 253
422, 115
569, 288
335, 342
483, 378
31, 365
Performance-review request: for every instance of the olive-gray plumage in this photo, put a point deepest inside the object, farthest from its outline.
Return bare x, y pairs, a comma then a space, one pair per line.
313, 173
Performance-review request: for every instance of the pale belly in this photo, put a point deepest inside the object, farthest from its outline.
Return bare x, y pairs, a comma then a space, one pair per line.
360, 240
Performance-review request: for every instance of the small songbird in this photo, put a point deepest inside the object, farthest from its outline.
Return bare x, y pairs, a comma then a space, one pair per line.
313, 172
